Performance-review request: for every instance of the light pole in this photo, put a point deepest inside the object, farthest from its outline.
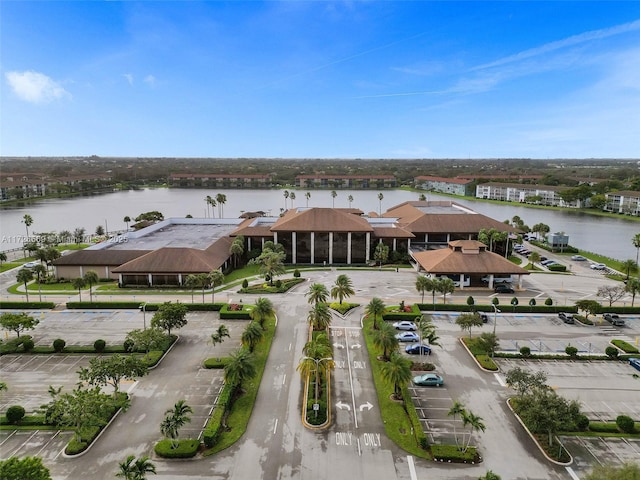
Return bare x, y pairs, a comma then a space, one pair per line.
317, 362
143, 307
495, 316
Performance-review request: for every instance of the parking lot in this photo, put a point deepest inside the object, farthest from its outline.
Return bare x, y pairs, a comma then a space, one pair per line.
433, 405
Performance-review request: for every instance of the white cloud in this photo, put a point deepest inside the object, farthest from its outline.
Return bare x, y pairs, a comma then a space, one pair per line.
129, 78
35, 87
150, 80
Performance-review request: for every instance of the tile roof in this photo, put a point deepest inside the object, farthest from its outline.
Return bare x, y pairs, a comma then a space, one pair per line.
321, 220
99, 257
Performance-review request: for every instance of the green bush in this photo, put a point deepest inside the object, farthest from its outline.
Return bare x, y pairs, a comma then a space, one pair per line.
27, 305
128, 345
525, 352
28, 344
58, 345
318, 417
184, 449
99, 345
15, 414
571, 351
296, 273
625, 424
13, 345
582, 423
227, 312
245, 283
555, 267
611, 352
470, 301
214, 426
343, 307
548, 302
216, 363
624, 346
451, 453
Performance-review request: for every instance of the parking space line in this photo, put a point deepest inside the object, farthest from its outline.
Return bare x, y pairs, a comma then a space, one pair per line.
25, 442
47, 444
10, 435
412, 468
572, 474
588, 448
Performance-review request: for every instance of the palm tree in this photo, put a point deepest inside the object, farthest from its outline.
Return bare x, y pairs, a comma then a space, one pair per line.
79, 284
210, 202
629, 266
385, 339
91, 277
219, 335
380, 197
317, 293
191, 282
456, 409
474, 422
203, 282
292, 197
490, 476
317, 352
424, 284
127, 220
307, 196
135, 470
285, 194
320, 316
445, 286
262, 310
374, 309
216, 278
350, 200
174, 420
427, 330
24, 276
633, 287
534, 257
239, 368
236, 249
636, 243
342, 288
333, 198
28, 221
252, 335
422, 197
397, 372
221, 198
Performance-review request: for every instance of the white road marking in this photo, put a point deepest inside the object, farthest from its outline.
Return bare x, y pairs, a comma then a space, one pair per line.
499, 379
275, 427
572, 473
412, 468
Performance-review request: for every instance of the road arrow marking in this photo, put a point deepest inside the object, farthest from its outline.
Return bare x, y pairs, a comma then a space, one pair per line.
338, 345
367, 405
356, 345
341, 405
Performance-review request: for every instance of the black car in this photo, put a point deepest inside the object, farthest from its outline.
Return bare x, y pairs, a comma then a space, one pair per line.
484, 317
417, 349
502, 288
566, 317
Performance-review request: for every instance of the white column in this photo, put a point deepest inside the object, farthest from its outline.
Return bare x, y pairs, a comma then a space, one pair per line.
249, 244
313, 247
461, 278
367, 247
150, 279
349, 248
275, 237
395, 244
179, 279
330, 248
293, 247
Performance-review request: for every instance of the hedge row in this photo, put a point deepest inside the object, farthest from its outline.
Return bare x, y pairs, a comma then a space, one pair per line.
451, 453
414, 311
227, 314
279, 286
215, 425
149, 307
184, 448
625, 346
418, 430
27, 305
505, 307
216, 363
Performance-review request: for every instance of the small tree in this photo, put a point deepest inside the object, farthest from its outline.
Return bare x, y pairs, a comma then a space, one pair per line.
632, 287
24, 276
17, 322
381, 253
590, 307
611, 293
16, 468
216, 278
170, 316
445, 286
548, 302
524, 382
342, 288
79, 284
174, 420
135, 469
91, 278
489, 342
571, 351
219, 335
424, 284
112, 370
397, 372
466, 321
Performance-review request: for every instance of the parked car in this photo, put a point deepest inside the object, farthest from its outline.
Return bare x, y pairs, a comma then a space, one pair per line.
30, 264
484, 317
417, 349
547, 262
598, 266
566, 317
578, 258
405, 325
428, 380
503, 288
635, 363
543, 259
407, 337
614, 319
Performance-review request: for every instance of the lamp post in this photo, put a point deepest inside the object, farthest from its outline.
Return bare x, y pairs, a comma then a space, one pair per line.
317, 362
495, 316
143, 307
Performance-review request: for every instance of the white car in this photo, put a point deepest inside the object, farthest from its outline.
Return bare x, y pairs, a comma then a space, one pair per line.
598, 266
578, 258
405, 325
30, 264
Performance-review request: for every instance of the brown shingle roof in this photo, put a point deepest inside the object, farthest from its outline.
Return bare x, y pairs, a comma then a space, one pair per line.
99, 257
321, 220
465, 257
392, 232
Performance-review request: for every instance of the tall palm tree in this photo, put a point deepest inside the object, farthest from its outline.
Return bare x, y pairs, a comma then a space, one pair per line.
445, 286
204, 282
221, 198
292, 197
191, 282
342, 288
385, 339
210, 203
216, 278
397, 372
79, 284
427, 330
474, 422
374, 309
285, 194
28, 221
219, 335
262, 310
317, 293
24, 276
632, 287
307, 196
350, 200
424, 284
380, 197
636, 243
320, 316
91, 277
456, 409
333, 198
236, 249
252, 335
317, 352
127, 220
239, 368
135, 469
629, 266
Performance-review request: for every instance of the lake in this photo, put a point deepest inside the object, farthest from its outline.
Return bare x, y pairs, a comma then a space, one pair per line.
604, 235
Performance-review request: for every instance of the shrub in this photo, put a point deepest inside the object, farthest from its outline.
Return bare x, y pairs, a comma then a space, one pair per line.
14, 414
582, 423
316, 417
557, 268
525, 352
571, 351
245, 283
548, 302
296, 273
278, 283
28, 344
495, 301
99, 345
451, 453
185, 449
128, 345
470, 300
611, 352
625, 424
58, 345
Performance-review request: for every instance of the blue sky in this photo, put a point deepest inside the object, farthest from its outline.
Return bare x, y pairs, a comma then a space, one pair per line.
353, 79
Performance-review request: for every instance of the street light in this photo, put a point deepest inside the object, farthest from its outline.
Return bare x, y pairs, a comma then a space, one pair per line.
496, 310
317, 362
143, 307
